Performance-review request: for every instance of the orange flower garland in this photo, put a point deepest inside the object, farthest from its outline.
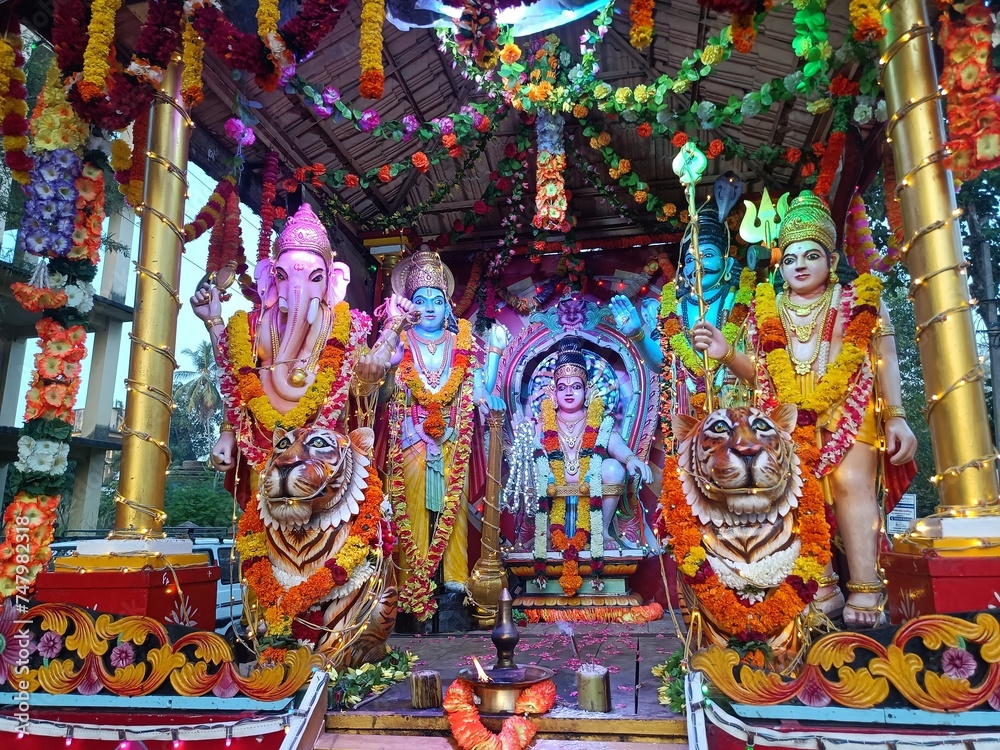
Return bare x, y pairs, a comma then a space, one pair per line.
517, 732
372, 73
641, 14
407, 375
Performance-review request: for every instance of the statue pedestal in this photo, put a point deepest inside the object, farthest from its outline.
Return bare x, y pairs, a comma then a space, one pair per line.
618, 566
928, 583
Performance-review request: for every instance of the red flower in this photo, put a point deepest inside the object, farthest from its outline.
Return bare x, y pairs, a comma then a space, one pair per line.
504, 184
339, 573
484, 124
510, 150
792, 155
420, 161
807, 169
481, 208
458, 225
351, 180
448, 140
715, 148
644, 130
280, 213
679, 139
290, 184
843, 86
385, 173
455, 152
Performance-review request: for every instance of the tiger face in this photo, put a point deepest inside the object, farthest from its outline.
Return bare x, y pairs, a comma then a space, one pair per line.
314, 477
739, 465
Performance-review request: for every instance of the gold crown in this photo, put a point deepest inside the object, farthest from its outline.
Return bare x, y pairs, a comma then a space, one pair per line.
420, 270
569, 369
807, 218
304, 231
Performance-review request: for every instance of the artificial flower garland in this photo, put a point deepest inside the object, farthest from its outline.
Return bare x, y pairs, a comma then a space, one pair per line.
213, 209
640, 13
829, 165
194, 55
408, 376
416, 593
333, 361
372, 73
732, 613
517, 731
866, 18
101, 34
550, 520
638, 615
550, 193
858, 244
282, 604
14, 107
269, 182
674, 337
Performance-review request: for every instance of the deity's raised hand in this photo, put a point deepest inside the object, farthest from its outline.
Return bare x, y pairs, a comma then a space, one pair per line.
400, 307
499, 336
205, 303
625, 315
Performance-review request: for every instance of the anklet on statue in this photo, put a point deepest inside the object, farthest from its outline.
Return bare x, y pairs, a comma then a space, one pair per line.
865, 587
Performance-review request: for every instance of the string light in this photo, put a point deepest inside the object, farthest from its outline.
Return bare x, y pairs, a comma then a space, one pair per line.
978, 372
161, 97
933, 226
177, 741
69, 736
160, 349
939, 155
913, 103
920, 28
983, 462
961, 268
160, 279
172, 168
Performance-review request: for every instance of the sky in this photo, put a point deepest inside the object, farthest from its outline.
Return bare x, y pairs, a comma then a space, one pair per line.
190, 330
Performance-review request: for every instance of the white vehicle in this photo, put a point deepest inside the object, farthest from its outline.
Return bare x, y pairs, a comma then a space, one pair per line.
228, 597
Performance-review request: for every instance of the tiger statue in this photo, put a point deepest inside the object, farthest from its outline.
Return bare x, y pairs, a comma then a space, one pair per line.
311, 489
742, 479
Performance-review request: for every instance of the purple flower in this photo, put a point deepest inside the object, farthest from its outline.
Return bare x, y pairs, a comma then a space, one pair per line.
91, 684
50, 645
369, 120
9, 645
122, 655
477, 120
446, 125
466, 110
35, 243
323, 111
234, 128
31, 224
44, 191
410, 124
50, 212
67, 192
958, 663
66, 159
330, 96
50, 172
60, 245
64, 225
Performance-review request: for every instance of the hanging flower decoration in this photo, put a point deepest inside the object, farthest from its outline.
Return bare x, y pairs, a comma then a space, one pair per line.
971, 80
194, 54
550, 193
132, 186
858, 244
893, 212
13, 106
269, 181
866, 18
372, 75
517, 731
477, 33
829, 165
640, 14
104, 96
743, 29
210, 213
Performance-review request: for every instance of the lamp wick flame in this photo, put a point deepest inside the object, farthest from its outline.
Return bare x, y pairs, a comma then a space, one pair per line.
480, 672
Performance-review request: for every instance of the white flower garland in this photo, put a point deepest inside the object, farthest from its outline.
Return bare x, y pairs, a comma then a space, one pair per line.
42, 456
760, 574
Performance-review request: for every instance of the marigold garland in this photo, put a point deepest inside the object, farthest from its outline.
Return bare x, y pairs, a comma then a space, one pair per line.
212, 211
517, 731
633, 615
194, 54
14, 108
408, 376
640, 34
372, 73
95, 58
330, 366
829, 164
269, 181
132, 187
833, 387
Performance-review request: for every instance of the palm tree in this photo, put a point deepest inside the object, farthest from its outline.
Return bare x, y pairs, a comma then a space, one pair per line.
197, 390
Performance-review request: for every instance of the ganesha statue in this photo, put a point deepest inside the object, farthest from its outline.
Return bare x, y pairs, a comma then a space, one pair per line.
746, 524
289, 365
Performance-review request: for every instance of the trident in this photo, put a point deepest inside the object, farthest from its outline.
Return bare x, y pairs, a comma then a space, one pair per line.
760, 226
689, 165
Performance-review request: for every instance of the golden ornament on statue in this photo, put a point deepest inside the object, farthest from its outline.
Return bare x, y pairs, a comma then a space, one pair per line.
297, 377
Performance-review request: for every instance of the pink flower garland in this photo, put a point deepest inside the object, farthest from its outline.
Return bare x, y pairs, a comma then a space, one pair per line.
858, 243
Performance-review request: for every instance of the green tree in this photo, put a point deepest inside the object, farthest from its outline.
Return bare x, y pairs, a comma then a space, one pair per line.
202, 501
197, 391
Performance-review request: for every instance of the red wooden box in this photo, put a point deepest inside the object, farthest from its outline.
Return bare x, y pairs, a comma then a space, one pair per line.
928, 584
149, 592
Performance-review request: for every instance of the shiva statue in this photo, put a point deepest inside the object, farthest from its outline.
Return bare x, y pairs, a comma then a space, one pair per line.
829, 349
579, 455
439, 382
726, 292
291, 360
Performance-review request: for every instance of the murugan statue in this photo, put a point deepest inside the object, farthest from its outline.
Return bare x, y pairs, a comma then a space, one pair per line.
727, 293
581, 463
432, 418
313, 536
829, 349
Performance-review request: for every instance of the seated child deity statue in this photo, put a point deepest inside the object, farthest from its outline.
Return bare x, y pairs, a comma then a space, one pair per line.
829, 349
432, 420
726, 292
581, 464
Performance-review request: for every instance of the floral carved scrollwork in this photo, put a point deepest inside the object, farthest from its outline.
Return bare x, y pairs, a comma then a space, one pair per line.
935, 663
75, 650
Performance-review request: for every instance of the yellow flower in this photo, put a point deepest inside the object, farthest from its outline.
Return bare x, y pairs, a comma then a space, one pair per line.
681, 85
711, 55
594, 144
622, 95
693, 561
580, 111
121, 155
640, 196
641, 93
624, 166
819, 106
807, 569
510, 53
102, 34
825, 50
615, 174
267, 18
601, 91
669, 209
604, 138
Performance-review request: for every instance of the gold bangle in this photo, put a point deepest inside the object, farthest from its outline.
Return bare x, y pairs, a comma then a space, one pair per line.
638, 335
890, 412
865, 587
726, 358
886, 331
226, 427
828, 580
494, 350
215, 320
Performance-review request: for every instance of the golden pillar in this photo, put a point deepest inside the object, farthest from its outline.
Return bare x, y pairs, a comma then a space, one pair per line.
489, 577
148, 405
963, 452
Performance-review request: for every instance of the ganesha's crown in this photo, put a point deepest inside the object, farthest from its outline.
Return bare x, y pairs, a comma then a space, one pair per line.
304, 231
